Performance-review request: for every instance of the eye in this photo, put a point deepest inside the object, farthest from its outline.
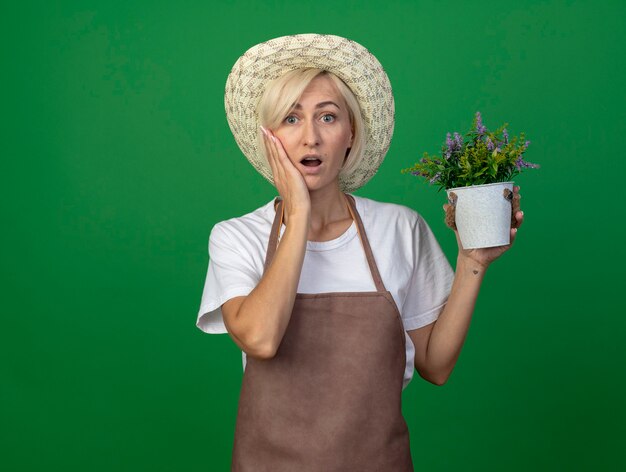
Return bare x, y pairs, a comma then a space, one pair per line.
328, 118
291, 120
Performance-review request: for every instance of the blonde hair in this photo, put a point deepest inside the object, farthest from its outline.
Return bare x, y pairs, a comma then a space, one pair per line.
282, 93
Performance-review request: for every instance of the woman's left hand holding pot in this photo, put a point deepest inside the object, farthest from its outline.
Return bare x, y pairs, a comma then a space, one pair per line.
485, 256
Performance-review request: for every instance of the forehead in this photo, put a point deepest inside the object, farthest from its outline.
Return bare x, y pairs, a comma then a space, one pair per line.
321, 86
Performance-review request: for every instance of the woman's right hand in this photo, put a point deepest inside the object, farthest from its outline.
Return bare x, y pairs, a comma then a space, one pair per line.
256, 325
288, 180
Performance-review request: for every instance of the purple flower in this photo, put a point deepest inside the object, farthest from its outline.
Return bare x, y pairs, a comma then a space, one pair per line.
458, 142
449, 146
490, 145
435, 178
526, 145
480, 128
506, 136
520, 163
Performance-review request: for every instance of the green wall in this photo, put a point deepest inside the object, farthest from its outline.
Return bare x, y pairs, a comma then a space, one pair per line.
117, 161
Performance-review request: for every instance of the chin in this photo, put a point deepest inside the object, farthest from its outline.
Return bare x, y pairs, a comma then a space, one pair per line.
315, 185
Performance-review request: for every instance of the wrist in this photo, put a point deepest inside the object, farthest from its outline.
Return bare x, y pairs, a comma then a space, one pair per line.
467, 264
298, 223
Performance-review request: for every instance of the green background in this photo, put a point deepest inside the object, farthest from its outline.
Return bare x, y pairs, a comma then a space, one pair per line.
117, 161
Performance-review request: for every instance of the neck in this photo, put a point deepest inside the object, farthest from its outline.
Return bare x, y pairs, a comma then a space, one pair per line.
328, 206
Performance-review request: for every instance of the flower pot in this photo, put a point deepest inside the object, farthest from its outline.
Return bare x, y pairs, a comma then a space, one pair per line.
483, 215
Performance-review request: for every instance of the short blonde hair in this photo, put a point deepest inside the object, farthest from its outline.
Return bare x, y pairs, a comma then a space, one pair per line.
282, 93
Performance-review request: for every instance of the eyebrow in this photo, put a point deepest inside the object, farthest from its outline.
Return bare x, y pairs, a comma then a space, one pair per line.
297, 106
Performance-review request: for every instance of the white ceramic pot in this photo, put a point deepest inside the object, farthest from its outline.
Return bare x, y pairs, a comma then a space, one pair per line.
483, 215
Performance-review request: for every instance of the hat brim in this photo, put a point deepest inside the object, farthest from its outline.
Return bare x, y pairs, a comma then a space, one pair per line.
348, 60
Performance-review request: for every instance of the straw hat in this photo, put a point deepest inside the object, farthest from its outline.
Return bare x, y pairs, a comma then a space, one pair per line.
348, 60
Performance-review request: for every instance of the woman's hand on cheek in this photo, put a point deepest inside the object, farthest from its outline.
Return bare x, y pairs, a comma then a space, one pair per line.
484, 257
287, 178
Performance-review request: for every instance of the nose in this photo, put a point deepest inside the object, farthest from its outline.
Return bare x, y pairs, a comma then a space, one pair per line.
311, 136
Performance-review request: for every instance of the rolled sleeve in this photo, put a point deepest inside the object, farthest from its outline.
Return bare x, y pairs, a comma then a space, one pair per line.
230, 274
431, 280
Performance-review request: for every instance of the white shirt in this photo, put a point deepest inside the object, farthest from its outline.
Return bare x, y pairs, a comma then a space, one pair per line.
410, 261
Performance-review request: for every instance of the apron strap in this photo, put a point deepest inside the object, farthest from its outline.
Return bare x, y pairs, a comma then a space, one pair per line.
274, 233
278, 221
378, 281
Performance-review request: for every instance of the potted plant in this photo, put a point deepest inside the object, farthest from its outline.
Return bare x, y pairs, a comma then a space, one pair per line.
477, 172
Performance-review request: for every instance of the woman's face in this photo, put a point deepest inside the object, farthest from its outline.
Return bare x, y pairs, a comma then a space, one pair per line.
317, 133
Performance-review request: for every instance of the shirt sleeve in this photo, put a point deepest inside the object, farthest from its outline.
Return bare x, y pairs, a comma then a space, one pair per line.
230, 274
431, 279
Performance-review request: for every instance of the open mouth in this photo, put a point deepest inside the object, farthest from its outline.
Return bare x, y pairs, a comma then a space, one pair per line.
310, 162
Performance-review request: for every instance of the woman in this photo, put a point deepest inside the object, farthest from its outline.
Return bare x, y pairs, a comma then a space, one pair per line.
334, 299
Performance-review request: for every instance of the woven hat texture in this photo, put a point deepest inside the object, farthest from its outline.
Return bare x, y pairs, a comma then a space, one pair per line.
348, 60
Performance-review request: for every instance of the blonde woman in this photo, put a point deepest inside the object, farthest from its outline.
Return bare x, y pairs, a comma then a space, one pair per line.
335, 300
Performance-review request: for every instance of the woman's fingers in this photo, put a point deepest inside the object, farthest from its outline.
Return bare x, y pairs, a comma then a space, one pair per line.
282, 158
513, 236
450, 209
293, 177
450, 216
278, 170
272, 147
287, 178
516, 214
268, 152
